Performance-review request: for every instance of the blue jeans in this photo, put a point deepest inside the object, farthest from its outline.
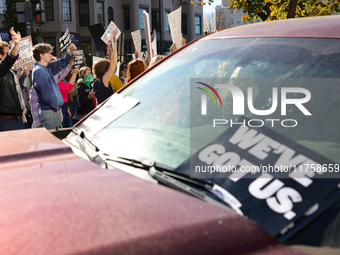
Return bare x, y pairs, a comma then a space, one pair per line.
67, 120
73, 109
50, 119
11, 124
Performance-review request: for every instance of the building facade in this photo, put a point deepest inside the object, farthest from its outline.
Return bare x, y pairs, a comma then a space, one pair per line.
126, 14
227, 18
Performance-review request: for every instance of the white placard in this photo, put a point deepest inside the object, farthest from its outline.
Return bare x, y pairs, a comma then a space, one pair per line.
110, 29
95, 59
25, 52
175, 19
146, 19
117, 69
144, 56
115, 107
137, 41
154, 44
65, 41
79, 59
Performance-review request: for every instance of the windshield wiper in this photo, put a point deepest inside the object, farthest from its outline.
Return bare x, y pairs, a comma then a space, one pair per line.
146, 164
90, 149
166, 176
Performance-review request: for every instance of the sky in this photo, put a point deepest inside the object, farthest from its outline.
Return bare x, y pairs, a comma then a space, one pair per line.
209, 9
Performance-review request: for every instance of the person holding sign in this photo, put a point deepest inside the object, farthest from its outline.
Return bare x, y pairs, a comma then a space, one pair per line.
12, 104
65, 86
103, 71
49, 97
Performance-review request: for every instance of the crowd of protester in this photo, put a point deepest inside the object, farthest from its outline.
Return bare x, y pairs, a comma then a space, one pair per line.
51, 94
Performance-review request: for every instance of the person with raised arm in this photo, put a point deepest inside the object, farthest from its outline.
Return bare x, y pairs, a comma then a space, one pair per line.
103, 71
12, 104
50, 99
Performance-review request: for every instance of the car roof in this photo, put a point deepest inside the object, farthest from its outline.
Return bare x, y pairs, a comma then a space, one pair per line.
314, 27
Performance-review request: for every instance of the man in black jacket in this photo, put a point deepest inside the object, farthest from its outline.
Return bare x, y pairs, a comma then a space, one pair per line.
12, 105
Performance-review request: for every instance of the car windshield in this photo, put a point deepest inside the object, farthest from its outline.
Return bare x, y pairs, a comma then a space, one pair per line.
158, 128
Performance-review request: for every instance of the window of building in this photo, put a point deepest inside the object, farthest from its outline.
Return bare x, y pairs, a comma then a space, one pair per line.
66, 10
167, 27
185, 24
51, 41
84, 15
100, 12
2, 6
110, 14
49, 10
86, 47
103, 53
198, 25
222, 11
155, 20
126, 14
231, 11
238, 11
232, 21
141, 20
238, 20
244, 22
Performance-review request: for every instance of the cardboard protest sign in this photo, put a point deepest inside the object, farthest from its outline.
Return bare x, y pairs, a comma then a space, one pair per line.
175, 19
269, 178
146, 19
144, 56
65, 41
137, 41
4, 33
25, 52
96, 31
106, 37
118, 68
105, 114
79, 59
154, 44
76, 39
95, 59
311, 215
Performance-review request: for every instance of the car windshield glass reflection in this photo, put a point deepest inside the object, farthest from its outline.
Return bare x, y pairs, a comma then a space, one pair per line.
159, 127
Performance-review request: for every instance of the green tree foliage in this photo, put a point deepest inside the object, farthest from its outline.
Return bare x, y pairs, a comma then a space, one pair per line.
11, 20
282, 9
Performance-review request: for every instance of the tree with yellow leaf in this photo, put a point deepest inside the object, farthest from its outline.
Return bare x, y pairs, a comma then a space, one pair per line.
282, 9
213, 23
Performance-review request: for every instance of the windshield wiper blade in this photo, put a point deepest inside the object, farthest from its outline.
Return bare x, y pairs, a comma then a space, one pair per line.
168, 177
182, 187
146, 164
90, 149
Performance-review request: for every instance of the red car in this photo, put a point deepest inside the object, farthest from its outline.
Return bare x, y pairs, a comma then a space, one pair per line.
137, 197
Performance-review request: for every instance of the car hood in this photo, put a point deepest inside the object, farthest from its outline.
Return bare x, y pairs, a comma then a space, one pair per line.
54, 202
